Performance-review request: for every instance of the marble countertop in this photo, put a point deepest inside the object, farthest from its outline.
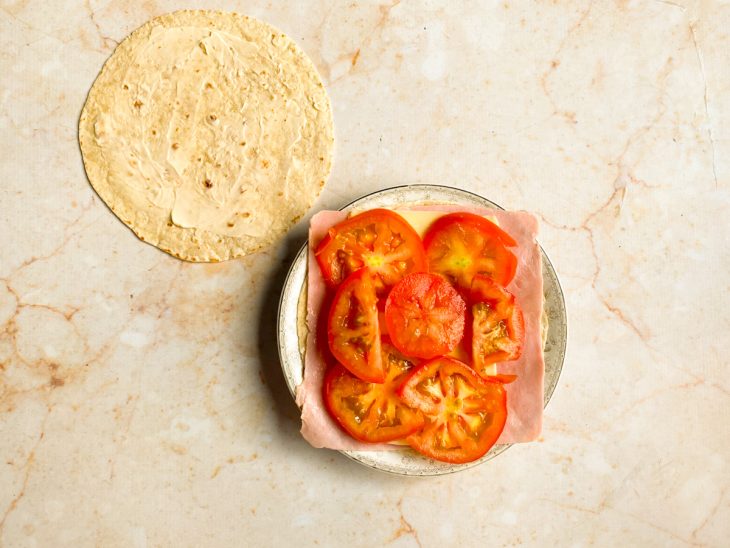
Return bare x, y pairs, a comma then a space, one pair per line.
141, 399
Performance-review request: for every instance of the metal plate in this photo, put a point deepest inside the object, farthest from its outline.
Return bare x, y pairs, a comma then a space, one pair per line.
405, 461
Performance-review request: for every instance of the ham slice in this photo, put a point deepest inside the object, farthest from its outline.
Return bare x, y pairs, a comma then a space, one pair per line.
318, 428
524, 396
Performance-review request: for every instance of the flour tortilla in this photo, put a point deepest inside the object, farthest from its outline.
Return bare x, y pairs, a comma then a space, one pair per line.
208, 134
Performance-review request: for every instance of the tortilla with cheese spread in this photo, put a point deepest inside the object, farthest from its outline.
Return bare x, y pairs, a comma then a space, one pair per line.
208, 134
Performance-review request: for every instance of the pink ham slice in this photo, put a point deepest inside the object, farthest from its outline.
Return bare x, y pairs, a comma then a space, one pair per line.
318, 428
524, 396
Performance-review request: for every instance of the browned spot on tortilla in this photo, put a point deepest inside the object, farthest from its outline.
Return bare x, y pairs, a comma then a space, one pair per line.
208, 183
138, 103
355, 57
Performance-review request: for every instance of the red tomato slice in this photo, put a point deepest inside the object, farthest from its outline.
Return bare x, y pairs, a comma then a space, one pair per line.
425, 316
379, 239
372, 412
498, 326
353, 331
465, 414
462, 245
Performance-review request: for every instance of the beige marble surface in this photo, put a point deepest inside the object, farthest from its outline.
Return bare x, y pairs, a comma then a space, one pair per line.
141, 402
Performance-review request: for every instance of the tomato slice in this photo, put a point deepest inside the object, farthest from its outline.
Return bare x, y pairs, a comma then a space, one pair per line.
353, 330
425, 315
498, 326
462, 245
368, 411
465, 414
379, 239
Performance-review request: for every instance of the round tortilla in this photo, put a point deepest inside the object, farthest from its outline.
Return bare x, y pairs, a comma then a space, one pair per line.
208, 134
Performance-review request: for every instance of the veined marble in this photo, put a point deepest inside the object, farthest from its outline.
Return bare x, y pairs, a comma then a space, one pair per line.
141, 401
